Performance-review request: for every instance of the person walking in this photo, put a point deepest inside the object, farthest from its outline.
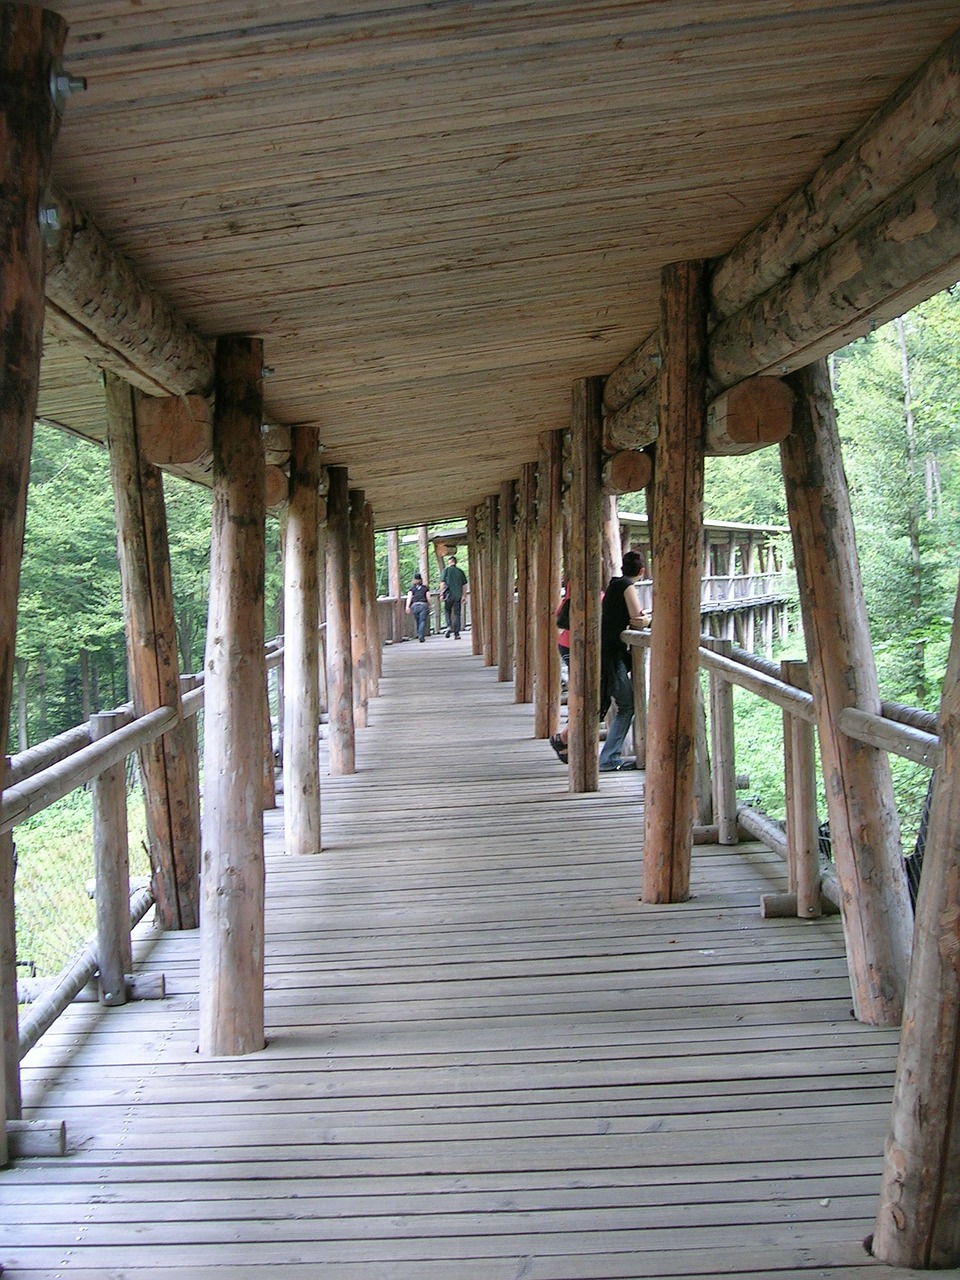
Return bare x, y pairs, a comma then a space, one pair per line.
619, 610
418, 603
452, 582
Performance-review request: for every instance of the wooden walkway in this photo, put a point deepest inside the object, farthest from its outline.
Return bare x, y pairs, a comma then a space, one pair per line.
486, 1059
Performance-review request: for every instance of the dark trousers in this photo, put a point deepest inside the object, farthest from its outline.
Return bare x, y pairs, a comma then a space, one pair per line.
453, 608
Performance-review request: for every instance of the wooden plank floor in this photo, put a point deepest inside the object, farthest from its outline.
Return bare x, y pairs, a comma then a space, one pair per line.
486, 1058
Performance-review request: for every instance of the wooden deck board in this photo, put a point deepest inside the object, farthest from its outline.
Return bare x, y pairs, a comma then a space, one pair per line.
486, 1058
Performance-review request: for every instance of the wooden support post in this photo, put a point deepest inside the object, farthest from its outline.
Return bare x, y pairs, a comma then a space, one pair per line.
863, 818
506, 576
677, 549
526, 583
703, 796
301, 660
491, 617
723, 762
800, 777
475, 586
549, 542
394, 588
112, 871
374, 642
342, 753
918, 1220
31, 41
324, 694
611, 553
583, 693
9, 1011
232, 884
423, 553
171, 788
359, 642
266, 755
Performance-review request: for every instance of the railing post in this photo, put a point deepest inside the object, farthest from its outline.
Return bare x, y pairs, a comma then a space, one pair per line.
723, 762
112, 871
638, 678
800, 778
9, 1029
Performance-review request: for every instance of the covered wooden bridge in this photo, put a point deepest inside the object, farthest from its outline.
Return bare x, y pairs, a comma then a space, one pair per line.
493, 262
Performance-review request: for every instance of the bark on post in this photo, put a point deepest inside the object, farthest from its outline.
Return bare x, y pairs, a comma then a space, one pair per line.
301, 661
549, 544
9, 1009
918, 1220
506, 575
583, 693
342, 751
359, 642
863, 818
374, 643
232, 884
491, 617
394, 588
31, 41
526, 584
423, 553
612, 549
324, 696
475, 586
170, 786
112, 872
677, 551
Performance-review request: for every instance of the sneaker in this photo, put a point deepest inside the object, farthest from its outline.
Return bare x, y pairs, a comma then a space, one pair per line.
618, 766
560, 747
447, 636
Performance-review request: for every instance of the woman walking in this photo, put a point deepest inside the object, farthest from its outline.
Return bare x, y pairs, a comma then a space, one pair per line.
418, 603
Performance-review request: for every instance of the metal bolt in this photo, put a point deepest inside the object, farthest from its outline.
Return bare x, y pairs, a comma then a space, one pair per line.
62, 85
50, 225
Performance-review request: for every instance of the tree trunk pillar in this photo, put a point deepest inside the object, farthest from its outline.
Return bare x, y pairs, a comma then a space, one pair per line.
583, 694
549, 547
342, 749
301, 658
31, 41
864, 827
918, 1221
232, 876
394, 587
526, 584
359, 640
475, 586
112, 872
677, 552
374, 642
491, 617
170, 784
506, 575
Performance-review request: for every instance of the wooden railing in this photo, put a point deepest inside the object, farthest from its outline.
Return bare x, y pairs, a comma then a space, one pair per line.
95, 754
904, 731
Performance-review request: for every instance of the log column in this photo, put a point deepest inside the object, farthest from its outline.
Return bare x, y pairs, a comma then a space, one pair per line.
232, 884
394, 588
342, 754
506, 575
549, 544
863, 818
31, 41
374, 642
170, 783
301, 649
583, 694
677, 552
918, 1221
491, 620
526, 584
359, 641
475, 586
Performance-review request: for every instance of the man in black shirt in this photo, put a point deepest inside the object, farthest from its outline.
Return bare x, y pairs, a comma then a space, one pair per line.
620, 610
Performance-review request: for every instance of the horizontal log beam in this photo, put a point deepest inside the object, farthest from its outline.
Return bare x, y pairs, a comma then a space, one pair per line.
97, 295
908, 249
635, 425
864, 190
918, 126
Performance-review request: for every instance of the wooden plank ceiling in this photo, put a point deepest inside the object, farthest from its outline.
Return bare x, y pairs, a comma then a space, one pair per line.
438, 215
